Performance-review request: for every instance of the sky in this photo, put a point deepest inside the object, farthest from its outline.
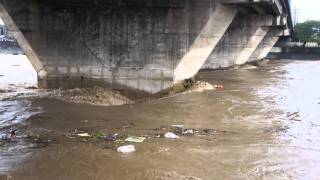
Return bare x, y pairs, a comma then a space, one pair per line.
306, 10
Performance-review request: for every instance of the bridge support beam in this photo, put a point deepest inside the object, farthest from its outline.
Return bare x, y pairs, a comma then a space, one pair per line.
252, 45
266, 45
204, 44
23, 42
145, 45
239, 42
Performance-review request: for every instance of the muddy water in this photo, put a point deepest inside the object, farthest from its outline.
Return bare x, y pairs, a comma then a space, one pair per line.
264, 124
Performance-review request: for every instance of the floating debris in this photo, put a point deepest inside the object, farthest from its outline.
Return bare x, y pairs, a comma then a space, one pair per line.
171, 135
111, 137
293, 119
13, 132
201, 86
126, 149
178, 126
218, 86
135, 139
179, 131
188, 132
31, 87
84, 135
276, 130
208, 132
293, 116
160, 128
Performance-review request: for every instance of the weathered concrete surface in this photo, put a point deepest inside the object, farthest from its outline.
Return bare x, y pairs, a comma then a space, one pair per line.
205, 43
133, 44
266, 45
22, 41
240, 41
252, 45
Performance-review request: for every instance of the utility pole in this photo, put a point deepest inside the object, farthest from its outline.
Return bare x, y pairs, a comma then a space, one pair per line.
296, 12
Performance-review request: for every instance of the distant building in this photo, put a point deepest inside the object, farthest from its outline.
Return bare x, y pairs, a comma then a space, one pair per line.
5, 35
3, 30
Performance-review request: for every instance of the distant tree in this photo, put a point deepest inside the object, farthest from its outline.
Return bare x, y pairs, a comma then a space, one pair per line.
308, 31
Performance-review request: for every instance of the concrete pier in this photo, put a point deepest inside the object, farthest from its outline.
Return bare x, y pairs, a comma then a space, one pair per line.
205, 43
266, 45
143, 45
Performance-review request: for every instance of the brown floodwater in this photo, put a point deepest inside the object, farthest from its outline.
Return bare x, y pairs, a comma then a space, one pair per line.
264, 124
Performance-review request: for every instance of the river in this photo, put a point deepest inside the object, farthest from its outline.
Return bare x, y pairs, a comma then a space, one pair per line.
263, 124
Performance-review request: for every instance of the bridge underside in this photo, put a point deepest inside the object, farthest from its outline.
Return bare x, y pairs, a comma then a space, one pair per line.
146, 45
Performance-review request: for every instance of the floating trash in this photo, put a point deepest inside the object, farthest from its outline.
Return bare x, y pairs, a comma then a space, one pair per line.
13, 132
178, 126
188, 132
171, 135
83, 135
218, 86
126, 149
135, 139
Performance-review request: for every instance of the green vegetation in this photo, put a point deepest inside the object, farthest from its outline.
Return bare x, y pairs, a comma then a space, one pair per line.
308, 31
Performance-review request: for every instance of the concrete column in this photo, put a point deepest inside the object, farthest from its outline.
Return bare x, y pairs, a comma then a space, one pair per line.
23, 43
272, 41
252, 45
204, 44
266, 45
147, 46
239, 42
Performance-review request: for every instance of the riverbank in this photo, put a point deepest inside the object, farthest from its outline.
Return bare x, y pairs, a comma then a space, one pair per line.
296, 53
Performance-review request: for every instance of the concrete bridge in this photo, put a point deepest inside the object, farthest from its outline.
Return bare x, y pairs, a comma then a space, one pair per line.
146, 45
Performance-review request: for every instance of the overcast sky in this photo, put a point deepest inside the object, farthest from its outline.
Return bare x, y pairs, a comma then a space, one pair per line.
307, 10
